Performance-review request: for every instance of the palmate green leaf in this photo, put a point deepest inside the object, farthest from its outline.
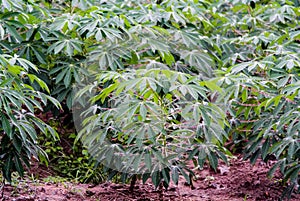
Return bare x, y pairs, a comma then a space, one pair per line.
39, 55
40, 82
189, 37
167, 57
292, 88
7, 82
6, 126
240, 67
82, 4
61, 75
17, 144
109, 56
9, 14
175, 174
205, 116
156, 178
157, 45
19, 166
143, 111
20, 63
189, 88
212, 86
200, 60
13, 97
166, 176
7, 168
224, 155
292, 173
213, 160
68, 45
111, 34
67, 78
105, 93
12, 32
265, 147
58, 46
136, 162
274, 167
27, 128
65, 21
185, 175
148, 161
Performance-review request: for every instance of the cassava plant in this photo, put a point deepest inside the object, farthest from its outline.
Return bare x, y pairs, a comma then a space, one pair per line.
151, 122
261, 81
166, 77
19, 125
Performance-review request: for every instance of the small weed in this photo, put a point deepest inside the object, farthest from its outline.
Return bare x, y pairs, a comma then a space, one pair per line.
55, 180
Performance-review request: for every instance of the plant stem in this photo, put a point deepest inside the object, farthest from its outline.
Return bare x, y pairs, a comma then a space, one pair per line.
132, 183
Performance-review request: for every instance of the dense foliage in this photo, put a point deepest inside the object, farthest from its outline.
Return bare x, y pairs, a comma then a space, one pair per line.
19, 125
160, 82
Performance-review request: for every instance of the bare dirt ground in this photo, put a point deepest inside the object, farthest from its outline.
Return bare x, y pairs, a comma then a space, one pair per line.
239, 181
